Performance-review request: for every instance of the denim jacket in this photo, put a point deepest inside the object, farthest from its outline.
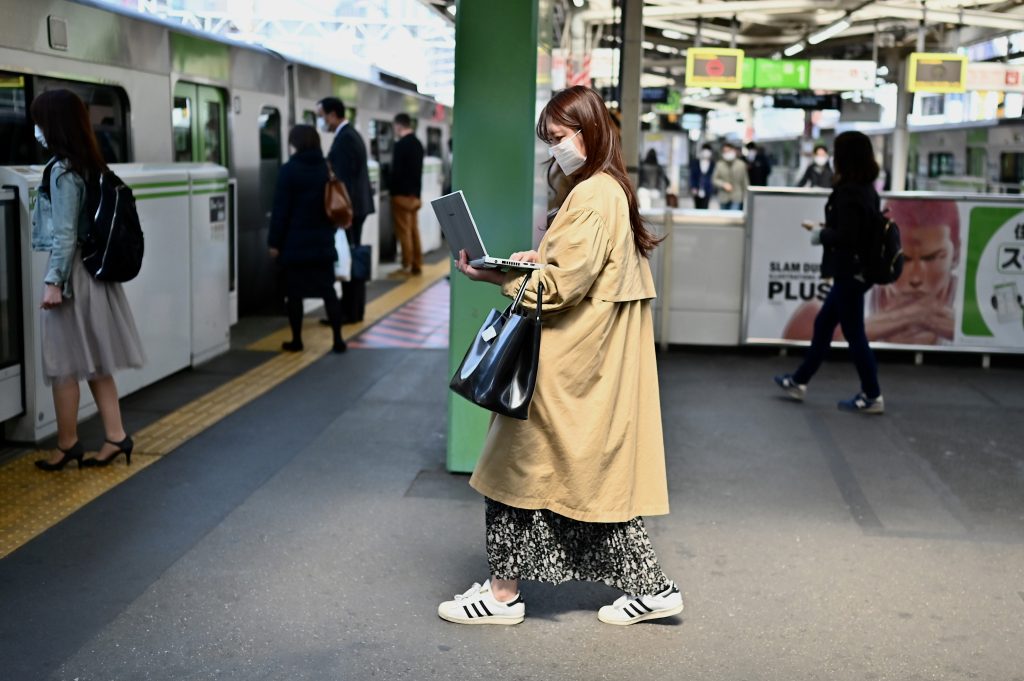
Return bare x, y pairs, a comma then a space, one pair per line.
59, 223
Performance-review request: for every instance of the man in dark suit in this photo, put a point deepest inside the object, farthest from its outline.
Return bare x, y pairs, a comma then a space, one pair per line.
406, 185
348, 159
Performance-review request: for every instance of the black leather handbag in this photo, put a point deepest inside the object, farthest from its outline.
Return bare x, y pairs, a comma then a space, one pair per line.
499, 371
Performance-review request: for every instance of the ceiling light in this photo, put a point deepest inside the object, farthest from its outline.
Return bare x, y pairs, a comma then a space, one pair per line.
883, 71
666, 49
794, 49
673, 35
451, 10
828, 32
647, 45
578, 3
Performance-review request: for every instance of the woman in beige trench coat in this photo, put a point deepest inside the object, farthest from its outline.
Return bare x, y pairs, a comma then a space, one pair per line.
565, 490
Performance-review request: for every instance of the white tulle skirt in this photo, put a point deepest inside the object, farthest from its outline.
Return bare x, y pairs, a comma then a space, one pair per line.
90, 335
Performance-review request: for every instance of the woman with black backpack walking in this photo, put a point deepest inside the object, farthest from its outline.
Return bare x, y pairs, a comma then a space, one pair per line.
852, 212
86, 325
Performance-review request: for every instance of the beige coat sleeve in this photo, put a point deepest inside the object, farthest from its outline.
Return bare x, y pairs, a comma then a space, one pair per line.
720, 176
573, 254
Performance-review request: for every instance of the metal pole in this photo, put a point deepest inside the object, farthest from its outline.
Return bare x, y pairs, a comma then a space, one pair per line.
632, 71
901, 135
665, 294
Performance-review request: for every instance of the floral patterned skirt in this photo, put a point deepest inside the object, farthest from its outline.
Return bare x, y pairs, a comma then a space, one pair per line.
546, 547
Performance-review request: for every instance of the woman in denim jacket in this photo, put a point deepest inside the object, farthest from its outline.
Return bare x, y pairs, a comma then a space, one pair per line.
87, 328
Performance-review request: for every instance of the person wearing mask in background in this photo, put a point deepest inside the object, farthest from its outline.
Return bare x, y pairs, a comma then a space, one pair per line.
730, 178
852, 211
86, 326
758, 166
301, 235
702, 169
348, 160
406, 183
819, 173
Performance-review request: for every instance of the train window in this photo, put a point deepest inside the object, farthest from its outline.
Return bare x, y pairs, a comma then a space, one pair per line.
108, 113
1011, 167
10, 286
270, 134
976, 158
199, 123
181, 125
940, 163
434, 142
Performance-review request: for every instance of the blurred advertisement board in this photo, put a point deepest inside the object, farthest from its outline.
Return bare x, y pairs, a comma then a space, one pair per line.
995, 77
935, 72
714, 67
838, 76
962, 287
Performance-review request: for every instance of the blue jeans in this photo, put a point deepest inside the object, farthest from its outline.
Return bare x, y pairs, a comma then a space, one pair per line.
844, 305
730, 205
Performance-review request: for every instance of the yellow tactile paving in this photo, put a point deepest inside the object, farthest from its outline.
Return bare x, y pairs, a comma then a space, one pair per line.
32, 501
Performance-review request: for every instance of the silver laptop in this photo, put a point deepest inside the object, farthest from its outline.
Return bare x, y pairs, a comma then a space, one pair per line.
460, 230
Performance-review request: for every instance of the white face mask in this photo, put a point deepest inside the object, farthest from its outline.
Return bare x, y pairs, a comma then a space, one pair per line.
705, 155
729, 156
40, 138
567, 156
820, 160
321, 124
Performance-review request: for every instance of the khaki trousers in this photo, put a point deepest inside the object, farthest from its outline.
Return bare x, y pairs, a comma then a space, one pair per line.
405, 212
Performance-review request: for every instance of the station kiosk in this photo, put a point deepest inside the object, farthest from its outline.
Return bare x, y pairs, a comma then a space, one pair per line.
180, 299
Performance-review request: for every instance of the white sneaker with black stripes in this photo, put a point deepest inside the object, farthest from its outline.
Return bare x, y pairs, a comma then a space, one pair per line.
633, 609
478, 606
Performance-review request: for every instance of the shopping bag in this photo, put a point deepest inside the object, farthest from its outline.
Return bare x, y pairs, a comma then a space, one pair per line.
343, 265
499, 371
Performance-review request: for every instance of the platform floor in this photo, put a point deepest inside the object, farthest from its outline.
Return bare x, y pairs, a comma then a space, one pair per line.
310, 534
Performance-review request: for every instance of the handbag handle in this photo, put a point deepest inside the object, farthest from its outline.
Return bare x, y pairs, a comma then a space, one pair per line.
518, 301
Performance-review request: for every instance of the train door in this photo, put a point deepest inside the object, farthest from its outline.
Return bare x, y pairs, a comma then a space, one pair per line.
199, 122
382, 141
11, 358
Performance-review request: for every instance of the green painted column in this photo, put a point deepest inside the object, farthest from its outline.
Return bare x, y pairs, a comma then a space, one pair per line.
496, 67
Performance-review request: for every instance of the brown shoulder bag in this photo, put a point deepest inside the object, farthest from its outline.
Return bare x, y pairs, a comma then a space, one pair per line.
337, 203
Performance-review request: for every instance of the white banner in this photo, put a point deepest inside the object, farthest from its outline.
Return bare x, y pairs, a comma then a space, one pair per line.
996, 77
837, 76
962, 285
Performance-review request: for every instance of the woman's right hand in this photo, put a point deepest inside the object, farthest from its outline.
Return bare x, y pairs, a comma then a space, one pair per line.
525, 256
51, 297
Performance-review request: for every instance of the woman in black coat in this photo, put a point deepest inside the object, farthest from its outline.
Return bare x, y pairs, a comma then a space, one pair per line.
302, 237
852, 212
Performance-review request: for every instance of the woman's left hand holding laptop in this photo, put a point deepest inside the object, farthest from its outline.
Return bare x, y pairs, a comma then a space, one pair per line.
493, 276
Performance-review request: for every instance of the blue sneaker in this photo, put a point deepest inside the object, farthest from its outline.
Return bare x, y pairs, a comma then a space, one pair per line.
863, 404
795, 390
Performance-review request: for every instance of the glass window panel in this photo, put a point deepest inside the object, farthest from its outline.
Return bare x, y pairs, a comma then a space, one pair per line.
270, 134
108, 114
181, 124
212, 134
10, 289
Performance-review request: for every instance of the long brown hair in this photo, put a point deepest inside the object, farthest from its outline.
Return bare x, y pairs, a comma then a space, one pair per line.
64, 120
581, 108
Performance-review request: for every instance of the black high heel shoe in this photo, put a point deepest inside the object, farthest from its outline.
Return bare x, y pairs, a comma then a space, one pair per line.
125, 447
75, 452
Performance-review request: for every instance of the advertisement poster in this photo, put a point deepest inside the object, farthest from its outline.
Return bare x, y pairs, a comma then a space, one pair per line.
962, 285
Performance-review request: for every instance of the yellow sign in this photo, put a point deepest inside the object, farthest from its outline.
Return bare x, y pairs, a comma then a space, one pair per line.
936, 72
714, 67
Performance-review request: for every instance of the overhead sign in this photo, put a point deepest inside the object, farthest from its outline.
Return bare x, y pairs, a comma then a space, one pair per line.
673, 103
807, 101
995, 77
839, 75
714, 67
934, 72
791, 74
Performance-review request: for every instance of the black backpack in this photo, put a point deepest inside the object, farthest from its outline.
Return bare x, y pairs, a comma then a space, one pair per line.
883, 262
112, 248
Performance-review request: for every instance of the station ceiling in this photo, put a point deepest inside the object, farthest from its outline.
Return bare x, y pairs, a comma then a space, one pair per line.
765, 28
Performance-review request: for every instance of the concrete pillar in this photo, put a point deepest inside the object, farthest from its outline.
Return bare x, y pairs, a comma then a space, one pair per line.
631, 71
494, 163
